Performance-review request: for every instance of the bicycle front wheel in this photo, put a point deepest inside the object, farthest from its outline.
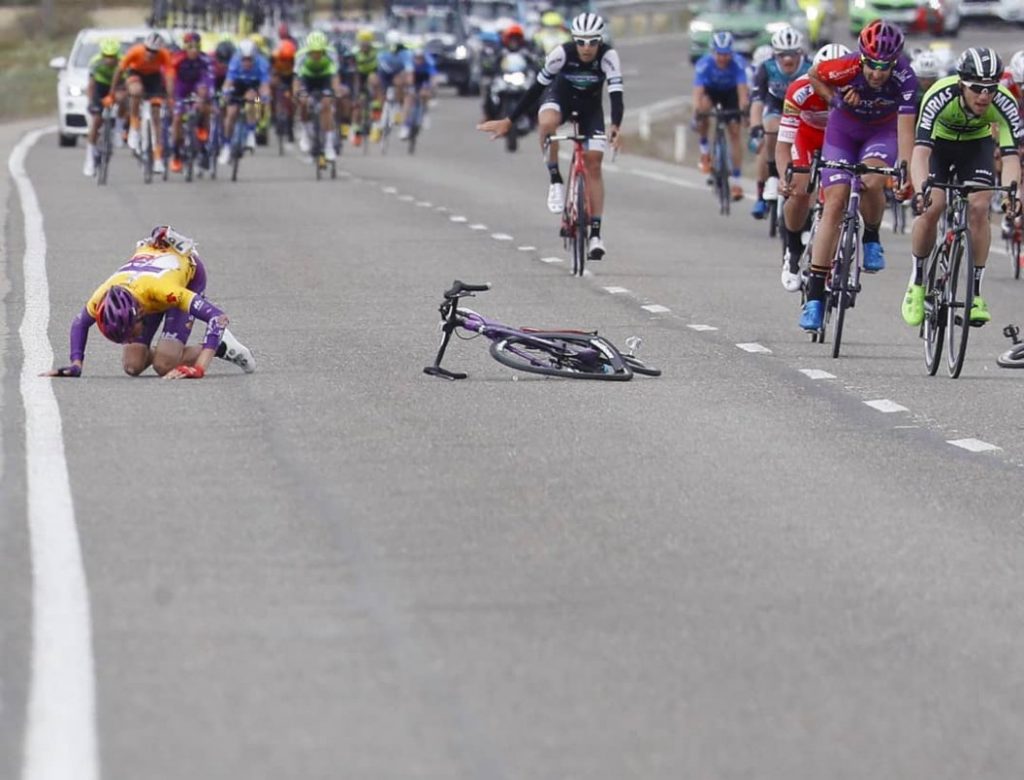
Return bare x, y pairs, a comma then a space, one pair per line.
1014, 252
568, 355
959, 300
841, 281
579, 259
722, 177
933, 327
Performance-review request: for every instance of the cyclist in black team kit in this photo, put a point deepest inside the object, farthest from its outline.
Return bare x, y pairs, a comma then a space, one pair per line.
572, 80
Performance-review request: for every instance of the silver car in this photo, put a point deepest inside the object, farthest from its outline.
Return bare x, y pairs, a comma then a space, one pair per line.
73, 78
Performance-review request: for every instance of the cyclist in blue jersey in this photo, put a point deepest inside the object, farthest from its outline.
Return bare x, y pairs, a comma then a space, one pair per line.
421, 73
771, 81
721, 79
248, 78
393, 64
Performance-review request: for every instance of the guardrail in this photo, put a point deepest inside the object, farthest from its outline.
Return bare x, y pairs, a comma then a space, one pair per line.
646, 17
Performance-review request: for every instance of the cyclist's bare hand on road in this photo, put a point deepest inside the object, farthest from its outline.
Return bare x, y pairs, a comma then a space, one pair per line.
71, 371
496, 127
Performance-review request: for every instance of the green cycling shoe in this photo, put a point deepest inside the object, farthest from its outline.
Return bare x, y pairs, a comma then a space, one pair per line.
913, 305
979, 312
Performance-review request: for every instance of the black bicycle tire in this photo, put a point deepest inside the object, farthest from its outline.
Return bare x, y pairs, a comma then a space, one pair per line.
147, 153
933, 327
957, 350
190, 148
848, 240
722, 176
639, 367
106, 147
1012, 358
1015, 249
773, 218
582, 221
510, 360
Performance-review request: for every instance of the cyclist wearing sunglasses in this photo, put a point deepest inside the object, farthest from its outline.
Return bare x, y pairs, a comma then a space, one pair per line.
572, 79
954, 129
771, 80
163, 281
193, 74
872, 94
720, 79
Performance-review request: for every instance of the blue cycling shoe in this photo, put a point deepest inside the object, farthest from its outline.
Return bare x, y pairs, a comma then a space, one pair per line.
874, 258
760, 209
813, 314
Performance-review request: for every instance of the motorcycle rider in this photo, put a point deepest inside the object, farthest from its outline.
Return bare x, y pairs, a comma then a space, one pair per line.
513, 41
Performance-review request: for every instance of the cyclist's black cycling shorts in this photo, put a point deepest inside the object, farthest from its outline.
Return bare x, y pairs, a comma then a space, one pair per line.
99, 91
729, 99
153, 84
314, 84
238, 90
972, 161
590, 110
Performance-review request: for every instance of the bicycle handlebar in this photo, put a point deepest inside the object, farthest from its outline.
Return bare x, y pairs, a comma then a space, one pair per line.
459, 287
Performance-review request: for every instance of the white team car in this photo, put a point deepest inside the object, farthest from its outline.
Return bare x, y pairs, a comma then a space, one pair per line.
73, 78
1004, 10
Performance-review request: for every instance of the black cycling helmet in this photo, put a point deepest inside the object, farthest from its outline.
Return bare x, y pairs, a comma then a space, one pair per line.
979, 63
225, 51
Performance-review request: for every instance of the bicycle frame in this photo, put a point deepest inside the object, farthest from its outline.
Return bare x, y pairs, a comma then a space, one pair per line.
574, 224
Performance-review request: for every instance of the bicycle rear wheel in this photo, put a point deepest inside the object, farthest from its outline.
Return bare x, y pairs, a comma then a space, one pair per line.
1014, 252
933, 327
106, 149
639, 367
1012, 358
579, 247
147, 151
959, 299
568, 355
722, 177
841, 285
773, 218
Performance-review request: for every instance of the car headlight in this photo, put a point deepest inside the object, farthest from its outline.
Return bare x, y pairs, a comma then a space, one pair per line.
935, 5
860, 5
461, 52
75, 91
515, 79
697, 26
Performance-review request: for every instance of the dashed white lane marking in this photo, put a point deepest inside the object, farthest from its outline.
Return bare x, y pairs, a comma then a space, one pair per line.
60, 740
441, 209
501, 236
616, 290
478, 226
406, 198
816, 373
886, 406
527, 248
552, 260
973, 445
656, 308
754, 347
458, 219
700, 327
424, 204
389, 190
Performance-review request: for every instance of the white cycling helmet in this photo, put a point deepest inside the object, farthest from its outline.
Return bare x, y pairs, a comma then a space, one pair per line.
587, 25
926, 65
1017, 67
154, 41
392, 38
832, 51
787, 39
246, 49
761, 55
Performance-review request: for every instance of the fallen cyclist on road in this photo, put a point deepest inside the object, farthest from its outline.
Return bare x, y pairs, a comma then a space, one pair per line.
163, 281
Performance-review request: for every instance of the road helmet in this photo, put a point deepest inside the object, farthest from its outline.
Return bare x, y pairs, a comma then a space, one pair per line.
283, 31
190, 38
246, 49
364, 36
286, 49
154, 41
317, 41
761, 55
117, 313
552, 19
110, 47
512, 31
787, 39
831, 51
881, 40
979, 63
926, 65
587, 25
393, 40
721, 42
224, 52
1017, 67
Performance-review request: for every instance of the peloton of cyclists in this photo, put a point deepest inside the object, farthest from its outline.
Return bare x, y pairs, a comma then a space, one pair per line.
573, 79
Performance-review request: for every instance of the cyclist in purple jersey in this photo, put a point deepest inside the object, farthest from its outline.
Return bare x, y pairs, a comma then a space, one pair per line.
872, 94
193, 74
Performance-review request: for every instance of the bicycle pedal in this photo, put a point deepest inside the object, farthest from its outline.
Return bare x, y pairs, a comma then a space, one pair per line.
1012, 332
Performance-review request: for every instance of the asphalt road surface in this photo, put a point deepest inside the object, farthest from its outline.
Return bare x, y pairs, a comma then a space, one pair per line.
340, 567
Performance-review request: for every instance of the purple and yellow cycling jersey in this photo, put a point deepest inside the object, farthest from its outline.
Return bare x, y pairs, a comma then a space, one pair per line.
876, 106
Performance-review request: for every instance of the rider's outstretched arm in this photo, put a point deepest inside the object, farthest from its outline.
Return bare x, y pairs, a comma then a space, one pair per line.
79, 335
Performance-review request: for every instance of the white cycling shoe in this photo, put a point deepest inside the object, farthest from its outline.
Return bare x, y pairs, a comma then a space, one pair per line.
595, 248
329, 153
225, 155
403, 133
134, 140
89, 169
158, 165
236, 352
556, 198
304, 145
791, 282
250, 141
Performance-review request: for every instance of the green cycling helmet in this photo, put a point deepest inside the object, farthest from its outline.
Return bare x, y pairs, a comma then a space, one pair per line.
110, 47
317, 41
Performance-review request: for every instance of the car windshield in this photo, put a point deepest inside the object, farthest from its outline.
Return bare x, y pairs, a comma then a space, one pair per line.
744, 7
568, 10
490, 9
88, 49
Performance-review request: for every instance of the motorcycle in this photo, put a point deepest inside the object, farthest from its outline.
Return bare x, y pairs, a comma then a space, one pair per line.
508, 87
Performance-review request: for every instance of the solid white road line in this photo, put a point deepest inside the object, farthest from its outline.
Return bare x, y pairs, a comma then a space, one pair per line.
754, 347
656, 308
973, 445
701, 328
816, 373
60, 732
886, 406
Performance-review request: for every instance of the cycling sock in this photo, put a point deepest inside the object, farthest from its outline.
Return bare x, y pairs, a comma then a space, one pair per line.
773, 169
736, 173
794, 244
871, 234
816, 285
595, 227
554, 173
917, 272
704, 147
979, 271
